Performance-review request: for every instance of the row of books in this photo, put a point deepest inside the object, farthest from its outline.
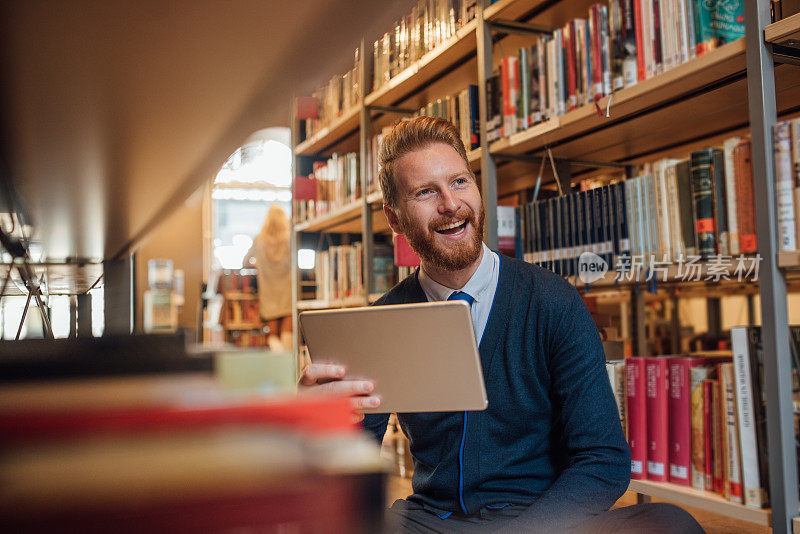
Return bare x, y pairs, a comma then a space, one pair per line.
164, 444
462, 110
241, 314
340, 95
430, 23
338, 272
247, 338
674, 209
375, 149
616, 46
238, 281
786, 139
337, 184
700, 421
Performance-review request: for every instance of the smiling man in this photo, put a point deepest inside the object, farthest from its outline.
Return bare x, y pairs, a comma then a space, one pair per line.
548, 454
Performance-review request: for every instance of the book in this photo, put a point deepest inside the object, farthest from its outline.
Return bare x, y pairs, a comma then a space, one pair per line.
657, 416
717, 23
745, 209
784, 202
616, 376
635, 392
728, 148
795, 142
702, 172
732, 489
698, 470
745, 342
680, 418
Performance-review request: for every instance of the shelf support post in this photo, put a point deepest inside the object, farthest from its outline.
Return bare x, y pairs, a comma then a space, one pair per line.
488, 165
775, 326
364, 136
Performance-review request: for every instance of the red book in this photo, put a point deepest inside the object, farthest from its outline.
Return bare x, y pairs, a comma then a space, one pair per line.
680, 419
596, 51
641, 69
708, 438
404, 255
657, 418
637, 413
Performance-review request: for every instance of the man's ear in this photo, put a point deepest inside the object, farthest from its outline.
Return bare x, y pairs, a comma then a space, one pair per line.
394, 222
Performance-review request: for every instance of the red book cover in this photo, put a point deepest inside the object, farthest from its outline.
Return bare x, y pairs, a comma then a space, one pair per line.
657, 380
641, 69
708, 438
657, 50
637, 413
404, 255
596, 52
680, 421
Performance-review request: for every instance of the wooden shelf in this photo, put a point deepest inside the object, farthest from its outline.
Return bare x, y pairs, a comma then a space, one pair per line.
346, 219
374, 296
789, 260
704, 500
430, 67
636, 109
474, 158
349, 302
243, 326
236, 295
375, 198
340, 128
785, 32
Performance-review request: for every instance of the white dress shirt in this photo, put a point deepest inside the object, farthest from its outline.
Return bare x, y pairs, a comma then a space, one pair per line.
481, 287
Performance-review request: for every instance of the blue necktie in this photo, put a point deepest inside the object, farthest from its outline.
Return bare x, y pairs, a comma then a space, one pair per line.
460, 295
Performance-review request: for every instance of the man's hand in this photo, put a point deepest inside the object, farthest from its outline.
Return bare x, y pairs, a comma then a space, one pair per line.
328, 379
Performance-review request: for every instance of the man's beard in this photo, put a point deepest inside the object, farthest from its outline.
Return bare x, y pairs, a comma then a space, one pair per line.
454, 258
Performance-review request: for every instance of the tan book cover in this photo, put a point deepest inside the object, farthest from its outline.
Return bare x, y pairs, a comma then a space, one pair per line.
698, 375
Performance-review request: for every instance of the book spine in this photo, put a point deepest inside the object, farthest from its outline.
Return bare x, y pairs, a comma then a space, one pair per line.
680, 428
795, 135
657, 419
703, 195
523, 88
708, 435
733, 469
637, 413
630, 63
751, 476
616, 20
716, 437
720, 203
730, 198
697, 376
787, 238
686, 207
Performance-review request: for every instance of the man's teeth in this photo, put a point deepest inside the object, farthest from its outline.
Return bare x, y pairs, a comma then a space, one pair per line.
453, 225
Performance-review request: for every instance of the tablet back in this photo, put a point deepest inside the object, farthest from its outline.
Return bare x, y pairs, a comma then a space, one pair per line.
422, 357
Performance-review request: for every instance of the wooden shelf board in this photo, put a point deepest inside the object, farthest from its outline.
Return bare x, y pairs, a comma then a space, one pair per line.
789, 260
243, 326
375, 198
704, 500
334, 221
327, 136
428, 68
509, 9
796, 525
784, 30
650, 94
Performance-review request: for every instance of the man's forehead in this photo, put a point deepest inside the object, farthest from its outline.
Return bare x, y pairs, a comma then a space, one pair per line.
436, 161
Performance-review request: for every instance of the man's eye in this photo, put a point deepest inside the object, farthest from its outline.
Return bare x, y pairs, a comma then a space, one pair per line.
423, 192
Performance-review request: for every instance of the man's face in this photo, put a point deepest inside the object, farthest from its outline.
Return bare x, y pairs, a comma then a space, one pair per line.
439, 207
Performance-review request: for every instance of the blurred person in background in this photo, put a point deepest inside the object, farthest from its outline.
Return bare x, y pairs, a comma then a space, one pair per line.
271, 256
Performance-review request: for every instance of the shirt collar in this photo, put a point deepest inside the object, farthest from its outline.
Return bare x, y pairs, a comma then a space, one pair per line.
476, 286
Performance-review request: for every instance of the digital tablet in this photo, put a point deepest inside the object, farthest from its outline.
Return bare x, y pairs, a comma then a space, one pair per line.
421, 357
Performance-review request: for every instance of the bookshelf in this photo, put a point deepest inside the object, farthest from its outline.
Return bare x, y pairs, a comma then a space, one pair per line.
722, 92
686, 496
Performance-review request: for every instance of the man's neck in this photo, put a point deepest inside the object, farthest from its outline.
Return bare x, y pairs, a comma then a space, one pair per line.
452, 279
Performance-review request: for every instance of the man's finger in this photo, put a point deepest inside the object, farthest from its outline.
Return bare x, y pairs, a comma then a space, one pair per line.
363, 403
346, 388
315, 372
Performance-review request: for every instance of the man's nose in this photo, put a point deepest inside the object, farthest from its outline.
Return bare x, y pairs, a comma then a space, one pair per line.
448, 202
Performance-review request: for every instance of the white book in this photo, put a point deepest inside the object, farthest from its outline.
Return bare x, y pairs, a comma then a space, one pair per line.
677, 249
784, 201
559, 72
662, 210
795, 128
751, 477
730, 194
734, 467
